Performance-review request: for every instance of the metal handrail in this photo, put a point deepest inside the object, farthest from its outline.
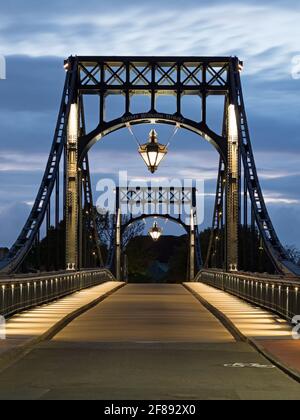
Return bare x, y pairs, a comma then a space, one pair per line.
276, 293
22, 293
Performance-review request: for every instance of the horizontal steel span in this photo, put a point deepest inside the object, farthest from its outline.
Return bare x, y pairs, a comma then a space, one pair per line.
187, 75
167, 60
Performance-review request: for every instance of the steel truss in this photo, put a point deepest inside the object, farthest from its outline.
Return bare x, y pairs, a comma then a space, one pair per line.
216, 246
159, 202
151, 76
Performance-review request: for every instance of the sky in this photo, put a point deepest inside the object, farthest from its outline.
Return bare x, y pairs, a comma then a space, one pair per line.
35, 37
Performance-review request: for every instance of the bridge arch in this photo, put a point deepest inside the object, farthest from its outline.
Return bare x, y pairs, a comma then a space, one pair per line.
155, 216
87, 141
194, 249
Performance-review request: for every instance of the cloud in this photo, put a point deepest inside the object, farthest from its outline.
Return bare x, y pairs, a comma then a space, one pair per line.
12, 218
264, 35
36, 37
11, 161
279, 199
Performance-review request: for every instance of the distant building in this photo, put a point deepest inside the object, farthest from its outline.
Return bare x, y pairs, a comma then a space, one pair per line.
3, 252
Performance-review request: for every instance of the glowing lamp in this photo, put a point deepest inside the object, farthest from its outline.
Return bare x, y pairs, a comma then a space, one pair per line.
153, 152
67, 65
155, 232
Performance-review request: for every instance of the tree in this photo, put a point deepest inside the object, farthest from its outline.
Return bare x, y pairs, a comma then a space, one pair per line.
293, 253
106, 228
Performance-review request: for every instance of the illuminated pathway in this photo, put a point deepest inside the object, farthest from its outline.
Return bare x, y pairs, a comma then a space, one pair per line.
145, 342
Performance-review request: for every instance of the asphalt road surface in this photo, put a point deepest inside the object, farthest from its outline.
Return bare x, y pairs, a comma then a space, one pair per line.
149, 341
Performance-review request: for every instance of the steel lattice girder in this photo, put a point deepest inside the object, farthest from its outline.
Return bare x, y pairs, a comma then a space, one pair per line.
152, 76
161, 199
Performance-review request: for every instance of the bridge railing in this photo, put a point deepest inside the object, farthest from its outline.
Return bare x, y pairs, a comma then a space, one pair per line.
275, 293
21, 293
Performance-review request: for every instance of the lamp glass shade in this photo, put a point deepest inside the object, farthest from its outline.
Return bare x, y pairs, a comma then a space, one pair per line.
155, 232
152, 152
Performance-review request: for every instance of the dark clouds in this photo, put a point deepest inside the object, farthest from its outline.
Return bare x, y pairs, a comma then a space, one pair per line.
30, 96
33, 84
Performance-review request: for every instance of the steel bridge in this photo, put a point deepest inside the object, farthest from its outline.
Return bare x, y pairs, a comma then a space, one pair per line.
239, 196
65, 195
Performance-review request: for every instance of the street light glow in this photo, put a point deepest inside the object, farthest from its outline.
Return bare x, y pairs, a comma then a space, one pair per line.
153, 152
155, 232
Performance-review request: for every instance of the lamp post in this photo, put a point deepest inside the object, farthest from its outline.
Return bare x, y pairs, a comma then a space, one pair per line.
155, 232
153, 152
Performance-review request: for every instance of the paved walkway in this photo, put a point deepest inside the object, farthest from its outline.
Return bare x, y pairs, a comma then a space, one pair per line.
268, 331
147, 314
146, 342
24, 330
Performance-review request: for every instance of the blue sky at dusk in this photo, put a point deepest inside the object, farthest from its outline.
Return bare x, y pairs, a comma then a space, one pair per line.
36, 36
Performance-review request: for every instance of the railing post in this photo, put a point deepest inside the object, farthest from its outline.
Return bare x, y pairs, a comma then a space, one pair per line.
192, 247
118, 245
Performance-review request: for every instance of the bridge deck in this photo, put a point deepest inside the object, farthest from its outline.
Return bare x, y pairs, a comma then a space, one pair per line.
266, 330
145, 342
147, 314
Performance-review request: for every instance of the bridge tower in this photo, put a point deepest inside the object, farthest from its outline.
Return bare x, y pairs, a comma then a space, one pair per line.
101, 77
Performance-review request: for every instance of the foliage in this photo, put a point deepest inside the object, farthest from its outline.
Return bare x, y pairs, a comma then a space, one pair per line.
106, 229
293, 253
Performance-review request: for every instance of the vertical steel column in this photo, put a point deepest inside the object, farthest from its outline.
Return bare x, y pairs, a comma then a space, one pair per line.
57, 200
192, 247
80, 219
38, 244
178, 90
244, 229
48, 225
253, 241
72, 189
204, 96
118, 246
118, 236
233, 184
125, 272
245, 203
127, 93
57, 189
